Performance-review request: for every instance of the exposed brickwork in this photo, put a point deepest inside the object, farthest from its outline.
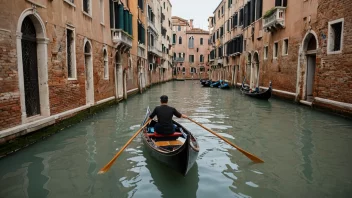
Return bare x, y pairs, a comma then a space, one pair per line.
334, 73
10, 111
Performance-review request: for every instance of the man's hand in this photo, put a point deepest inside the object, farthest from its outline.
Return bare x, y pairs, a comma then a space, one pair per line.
184, 116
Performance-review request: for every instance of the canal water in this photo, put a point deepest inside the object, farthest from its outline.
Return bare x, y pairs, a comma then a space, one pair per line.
307, 153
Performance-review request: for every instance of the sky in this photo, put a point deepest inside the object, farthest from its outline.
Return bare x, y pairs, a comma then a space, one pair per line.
198, 10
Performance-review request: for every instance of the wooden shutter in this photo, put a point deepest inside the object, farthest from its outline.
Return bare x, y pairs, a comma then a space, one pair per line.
278, 3
284, 4
259, 9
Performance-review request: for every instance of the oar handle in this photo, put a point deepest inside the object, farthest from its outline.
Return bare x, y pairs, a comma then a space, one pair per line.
108, 165
249, 155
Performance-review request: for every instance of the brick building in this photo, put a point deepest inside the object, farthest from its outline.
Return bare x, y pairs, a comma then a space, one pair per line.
58, 58
285, 42
191, 50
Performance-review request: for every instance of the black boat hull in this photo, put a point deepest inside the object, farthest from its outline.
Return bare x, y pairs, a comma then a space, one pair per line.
264, 95
182, 159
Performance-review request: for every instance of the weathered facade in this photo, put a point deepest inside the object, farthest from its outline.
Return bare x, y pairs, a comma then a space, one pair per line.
58, 58
284, 42
191, 50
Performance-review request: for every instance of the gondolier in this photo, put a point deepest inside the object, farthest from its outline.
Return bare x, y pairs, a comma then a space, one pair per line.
164, 114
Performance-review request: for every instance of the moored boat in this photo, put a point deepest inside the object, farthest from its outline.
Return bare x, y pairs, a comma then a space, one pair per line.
215, 84
260, 94
224, 85
178, 151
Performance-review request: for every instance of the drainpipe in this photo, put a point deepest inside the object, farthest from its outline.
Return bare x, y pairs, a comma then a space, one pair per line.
124, 85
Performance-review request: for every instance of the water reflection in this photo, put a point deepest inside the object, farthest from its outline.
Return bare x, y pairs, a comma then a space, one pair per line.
306, 153
170, 183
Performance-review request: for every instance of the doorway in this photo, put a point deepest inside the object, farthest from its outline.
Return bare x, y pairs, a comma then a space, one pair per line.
88, 65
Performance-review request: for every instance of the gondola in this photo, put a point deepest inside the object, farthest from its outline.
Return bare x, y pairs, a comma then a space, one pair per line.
224, 85
215, 84
260, 94
203, 81
207, 83
178, 151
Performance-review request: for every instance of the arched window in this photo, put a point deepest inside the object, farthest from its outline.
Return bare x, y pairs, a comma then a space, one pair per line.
180, 40
201, 58
191, 42
106, 65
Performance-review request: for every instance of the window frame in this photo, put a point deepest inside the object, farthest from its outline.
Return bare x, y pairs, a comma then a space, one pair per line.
102, 12
276, 51
328, 48
73, 55
284, 47
266, 52
89, 13
106, 63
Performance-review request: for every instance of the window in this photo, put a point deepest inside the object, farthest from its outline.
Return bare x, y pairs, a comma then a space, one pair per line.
174, 55
180, 40
259, 9
180, 55
164, 5
191, 42
106, 65
141, 34
193, 70
140, 4
219, 14
275, 50
280, 3
101, 4
230, 2
266, 50
179, 28
183, 69
201, 41
201, 58
70, 53
244, 45
174, 39
285, 47
191, 58
222, 10
335, 36
202, 69
241, 17
87, 6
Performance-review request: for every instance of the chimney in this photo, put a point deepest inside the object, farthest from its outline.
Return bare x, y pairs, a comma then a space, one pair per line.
191, 23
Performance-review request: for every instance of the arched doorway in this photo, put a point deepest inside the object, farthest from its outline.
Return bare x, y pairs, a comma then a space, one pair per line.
32, 61
30, 67
88, 66
310, 51
255, 70
118, 76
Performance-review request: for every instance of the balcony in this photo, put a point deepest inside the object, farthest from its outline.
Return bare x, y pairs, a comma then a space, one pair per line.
141, 50
152, 26
153, 50
179, 60
121, 39
274, 19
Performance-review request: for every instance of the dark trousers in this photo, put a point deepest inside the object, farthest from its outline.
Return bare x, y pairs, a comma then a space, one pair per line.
164, 129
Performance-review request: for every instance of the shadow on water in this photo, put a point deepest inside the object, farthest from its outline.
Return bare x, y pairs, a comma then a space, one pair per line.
171, 183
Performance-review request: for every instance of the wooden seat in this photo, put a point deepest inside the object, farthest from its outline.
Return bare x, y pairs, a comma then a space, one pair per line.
169, 143
157, 135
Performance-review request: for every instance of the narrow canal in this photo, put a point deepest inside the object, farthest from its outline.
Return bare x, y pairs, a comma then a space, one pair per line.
306, 153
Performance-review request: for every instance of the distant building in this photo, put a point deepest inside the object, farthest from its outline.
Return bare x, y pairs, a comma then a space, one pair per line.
190, 50
295, 44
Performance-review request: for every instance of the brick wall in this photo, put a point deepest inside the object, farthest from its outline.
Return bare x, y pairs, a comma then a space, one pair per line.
334, 71
10, 109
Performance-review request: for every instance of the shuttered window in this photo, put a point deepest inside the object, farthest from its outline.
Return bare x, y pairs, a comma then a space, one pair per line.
241, 21
174, 39
252, 11
259, 9
281, 3
141, 34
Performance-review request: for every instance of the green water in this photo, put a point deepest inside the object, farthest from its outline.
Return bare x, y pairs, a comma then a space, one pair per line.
306, 153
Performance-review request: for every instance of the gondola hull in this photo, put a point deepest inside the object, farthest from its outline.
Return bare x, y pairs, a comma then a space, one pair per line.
224, 86
182, 159
264, 95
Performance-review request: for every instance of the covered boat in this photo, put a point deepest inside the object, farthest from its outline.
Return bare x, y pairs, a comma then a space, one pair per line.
260, 94
215, 84
178, 151
224, 85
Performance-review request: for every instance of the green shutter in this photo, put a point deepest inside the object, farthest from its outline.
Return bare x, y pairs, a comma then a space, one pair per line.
125, 21
120, 16
130, 23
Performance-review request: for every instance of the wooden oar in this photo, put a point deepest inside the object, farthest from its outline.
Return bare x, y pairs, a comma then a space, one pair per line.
249, 155
108, 165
